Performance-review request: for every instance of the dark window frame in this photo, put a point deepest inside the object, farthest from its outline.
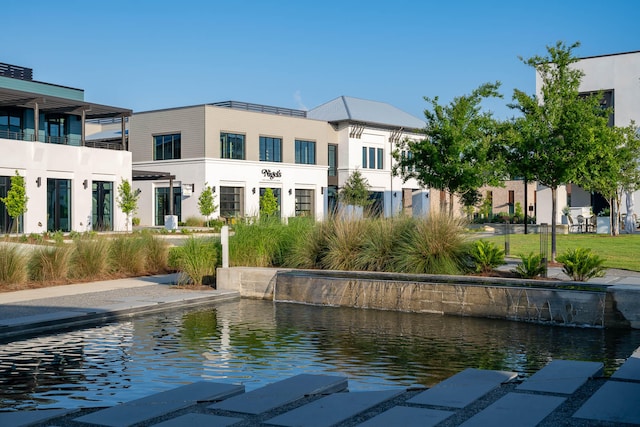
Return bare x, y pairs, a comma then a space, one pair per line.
167, 146
270, 149
230, 151
305, 152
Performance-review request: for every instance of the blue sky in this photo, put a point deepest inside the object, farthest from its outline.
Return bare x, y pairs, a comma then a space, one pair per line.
147, 55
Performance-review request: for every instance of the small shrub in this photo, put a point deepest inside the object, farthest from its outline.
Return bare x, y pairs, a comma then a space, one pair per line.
531, 266
88, 259
49, 264
194, 221
58, 237
135, 221
581, 265
486, 256
13, 266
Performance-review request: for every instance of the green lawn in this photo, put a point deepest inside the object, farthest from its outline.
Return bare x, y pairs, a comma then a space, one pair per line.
622, 251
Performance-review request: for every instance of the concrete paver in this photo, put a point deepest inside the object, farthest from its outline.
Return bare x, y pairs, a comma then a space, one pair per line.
332, 409
463, 388
199, 420
516, 409
282, 392
562, 376
408, 416
153, 406
27, 418
615, 401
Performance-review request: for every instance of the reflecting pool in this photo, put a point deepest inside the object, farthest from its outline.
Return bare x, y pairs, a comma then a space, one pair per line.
258, 342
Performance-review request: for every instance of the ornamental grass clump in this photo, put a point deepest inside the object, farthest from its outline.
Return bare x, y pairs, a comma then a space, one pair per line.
345, 243
196, 261
156, 253
436, 245
581, 265
531, 266
127, 256
49, 264
13, 266
89, 259
256, 244
380, 243
309, 246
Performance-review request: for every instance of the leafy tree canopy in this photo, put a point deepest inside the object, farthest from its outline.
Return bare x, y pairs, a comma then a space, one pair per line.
457, 153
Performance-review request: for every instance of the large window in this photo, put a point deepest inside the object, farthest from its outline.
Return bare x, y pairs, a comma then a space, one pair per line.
58, 204
270, 149
102, 194
166, 147
10, 123
162, 203
372, 158
56, 128
5, 219
304, 203
232, 146
333, 159
305, 152
231, 201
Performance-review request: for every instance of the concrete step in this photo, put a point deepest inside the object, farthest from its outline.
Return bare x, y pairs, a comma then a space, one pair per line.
147, 408
515, 409
282, 392
333, 409
27, 418
562, 376
463, 388
408, 416
615, 401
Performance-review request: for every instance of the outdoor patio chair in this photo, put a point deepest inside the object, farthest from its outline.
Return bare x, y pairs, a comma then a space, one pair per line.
573, 227
581, 223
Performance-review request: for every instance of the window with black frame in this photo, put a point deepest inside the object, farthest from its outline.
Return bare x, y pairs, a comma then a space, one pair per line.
305, 152
167, 147
232, 146
270, 149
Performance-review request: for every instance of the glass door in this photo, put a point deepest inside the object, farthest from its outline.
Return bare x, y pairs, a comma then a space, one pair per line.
58, 204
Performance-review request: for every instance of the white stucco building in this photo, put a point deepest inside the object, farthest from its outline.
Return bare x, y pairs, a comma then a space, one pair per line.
70, 184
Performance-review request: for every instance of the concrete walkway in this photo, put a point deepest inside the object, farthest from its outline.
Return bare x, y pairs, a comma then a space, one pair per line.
570, 393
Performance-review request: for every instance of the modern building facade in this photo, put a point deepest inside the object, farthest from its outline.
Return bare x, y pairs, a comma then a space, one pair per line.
70, 184
241, 149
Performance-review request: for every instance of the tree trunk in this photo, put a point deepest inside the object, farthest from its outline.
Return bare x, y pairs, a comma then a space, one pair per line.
451, 204
554, 207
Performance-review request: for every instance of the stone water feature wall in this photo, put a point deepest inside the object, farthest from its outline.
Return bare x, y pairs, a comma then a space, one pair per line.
550, 302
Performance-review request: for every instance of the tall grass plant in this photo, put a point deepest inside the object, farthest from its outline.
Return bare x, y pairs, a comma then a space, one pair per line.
13, 266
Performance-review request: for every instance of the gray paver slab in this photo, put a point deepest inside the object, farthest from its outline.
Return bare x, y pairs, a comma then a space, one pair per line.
561, 376
158, 404
282, 392
515, 409
333, 409
407, 416
615, 401
26, 418
199, 420
630, 370
45, 317
463, 388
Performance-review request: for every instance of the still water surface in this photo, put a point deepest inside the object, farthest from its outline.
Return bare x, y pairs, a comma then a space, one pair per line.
257, 342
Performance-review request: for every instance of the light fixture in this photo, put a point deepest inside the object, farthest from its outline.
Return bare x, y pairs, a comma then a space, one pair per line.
290, 191
85, 184
426, 194
253, 190
38, 181
213, 189
394, 194
321, 190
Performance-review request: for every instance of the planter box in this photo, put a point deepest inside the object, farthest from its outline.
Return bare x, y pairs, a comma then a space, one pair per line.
603, 226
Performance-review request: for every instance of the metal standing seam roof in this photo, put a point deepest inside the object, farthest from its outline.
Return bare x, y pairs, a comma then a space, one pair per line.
346, 108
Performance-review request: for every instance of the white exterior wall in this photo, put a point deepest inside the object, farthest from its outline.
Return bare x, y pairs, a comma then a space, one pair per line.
232, 173
380, 180
38, 160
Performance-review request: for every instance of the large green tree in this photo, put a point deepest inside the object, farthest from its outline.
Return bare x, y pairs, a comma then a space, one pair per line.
456, 153
560, 130
16, 200
614, 169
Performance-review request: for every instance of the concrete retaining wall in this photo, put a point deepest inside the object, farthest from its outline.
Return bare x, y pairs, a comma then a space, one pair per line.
536, 301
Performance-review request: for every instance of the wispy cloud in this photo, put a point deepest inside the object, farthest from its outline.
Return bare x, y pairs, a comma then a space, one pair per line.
297, 96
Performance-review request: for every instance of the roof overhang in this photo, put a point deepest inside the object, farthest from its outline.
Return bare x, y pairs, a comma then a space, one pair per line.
48, 103
138, 175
